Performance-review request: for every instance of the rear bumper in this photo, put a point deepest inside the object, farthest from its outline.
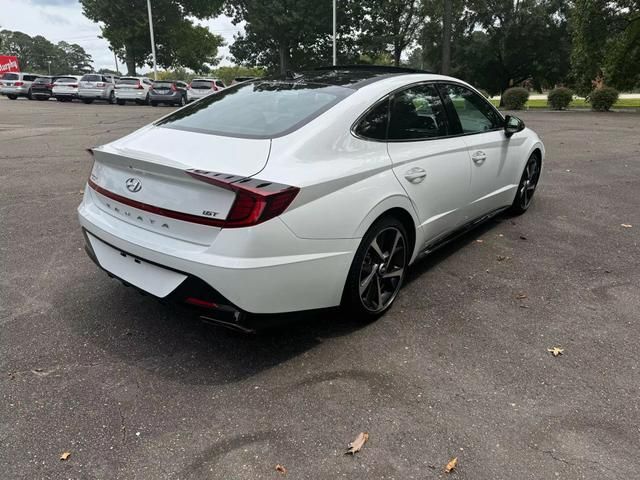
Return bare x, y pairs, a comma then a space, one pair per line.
95, 93
65, 94
132, 94
173, 98
263, 269
19, 91
40, 93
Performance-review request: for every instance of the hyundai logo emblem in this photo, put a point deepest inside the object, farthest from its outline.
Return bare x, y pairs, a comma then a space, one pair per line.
133, 184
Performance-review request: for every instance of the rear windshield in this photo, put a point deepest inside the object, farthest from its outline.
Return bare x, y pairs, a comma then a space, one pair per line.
162, 84
42, 80
261, 109
66, 80
91, 78
10, 76
201, 84
128, 81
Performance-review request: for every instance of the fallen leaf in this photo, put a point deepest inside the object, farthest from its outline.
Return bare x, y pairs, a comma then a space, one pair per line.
521, 296
500, 258
626, 225
451, 466
65, 455
281, 469
358, 443
479, 241
555, 351
522, 237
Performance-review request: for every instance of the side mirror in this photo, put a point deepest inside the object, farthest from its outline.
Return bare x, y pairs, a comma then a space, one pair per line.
512, 125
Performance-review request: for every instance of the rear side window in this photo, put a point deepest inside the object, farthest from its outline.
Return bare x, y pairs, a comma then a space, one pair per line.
417, 113
475, 114
30, 78
220, 84
374, 124
262, 109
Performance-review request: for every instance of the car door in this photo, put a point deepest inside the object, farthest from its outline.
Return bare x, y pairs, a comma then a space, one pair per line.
481, 128
432, 167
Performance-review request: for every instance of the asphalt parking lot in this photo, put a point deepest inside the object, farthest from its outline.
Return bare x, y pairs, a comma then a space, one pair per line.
458, 368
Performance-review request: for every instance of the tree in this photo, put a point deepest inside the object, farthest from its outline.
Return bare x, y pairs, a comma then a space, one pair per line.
290, 34
390, 26
179, 42
39, 55
446, 36
606, 43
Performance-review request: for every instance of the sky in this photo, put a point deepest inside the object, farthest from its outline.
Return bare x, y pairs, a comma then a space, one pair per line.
59, 20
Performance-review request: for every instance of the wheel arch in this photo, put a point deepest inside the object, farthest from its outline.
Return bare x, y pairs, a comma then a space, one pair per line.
399, 207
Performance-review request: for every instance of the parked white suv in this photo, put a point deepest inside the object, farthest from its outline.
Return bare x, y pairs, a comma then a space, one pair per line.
65, 88
278, 195
133, 89
17, 84
95, 86
201, 87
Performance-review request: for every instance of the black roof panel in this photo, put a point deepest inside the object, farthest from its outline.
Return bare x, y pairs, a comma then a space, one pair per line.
351, 76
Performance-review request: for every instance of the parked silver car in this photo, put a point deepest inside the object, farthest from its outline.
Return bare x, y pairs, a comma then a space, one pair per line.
133, 89
94, 86
17, 84
201, 87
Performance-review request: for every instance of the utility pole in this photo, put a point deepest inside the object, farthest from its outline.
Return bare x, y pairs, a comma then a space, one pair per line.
153, 42
115, 59
335, 57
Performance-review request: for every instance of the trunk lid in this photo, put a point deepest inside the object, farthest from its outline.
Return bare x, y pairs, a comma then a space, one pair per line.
141, 179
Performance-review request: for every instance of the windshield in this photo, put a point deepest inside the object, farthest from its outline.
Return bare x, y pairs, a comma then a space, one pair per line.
10, 76
261, 109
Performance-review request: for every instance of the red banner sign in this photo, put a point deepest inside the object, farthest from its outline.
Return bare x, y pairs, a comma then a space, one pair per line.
8, 64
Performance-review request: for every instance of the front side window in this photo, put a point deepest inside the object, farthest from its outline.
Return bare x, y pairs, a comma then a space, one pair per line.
474, 112
261, 109
417, 113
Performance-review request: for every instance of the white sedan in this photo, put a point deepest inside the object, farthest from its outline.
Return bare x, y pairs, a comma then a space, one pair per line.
305, 192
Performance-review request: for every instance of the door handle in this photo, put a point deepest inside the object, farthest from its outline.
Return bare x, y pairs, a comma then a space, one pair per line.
415, 175
479, 156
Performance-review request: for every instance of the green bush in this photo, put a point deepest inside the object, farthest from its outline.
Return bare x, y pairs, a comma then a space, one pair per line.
602, 99
515, 98
559, 98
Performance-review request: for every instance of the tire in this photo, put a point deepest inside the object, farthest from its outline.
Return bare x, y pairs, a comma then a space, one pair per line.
112, 98
120, 102
154, 104
377, 272
183, 101
12, 97
30, 95
527, 186
87, 100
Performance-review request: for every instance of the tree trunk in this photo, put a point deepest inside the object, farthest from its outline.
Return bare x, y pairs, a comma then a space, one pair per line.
446, 38
285, 58
130, 60
397, 54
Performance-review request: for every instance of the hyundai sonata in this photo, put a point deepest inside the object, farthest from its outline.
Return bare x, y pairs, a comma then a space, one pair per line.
304, 192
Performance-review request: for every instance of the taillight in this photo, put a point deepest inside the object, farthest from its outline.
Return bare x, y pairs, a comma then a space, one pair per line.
213, 87
256, 200
173, 88
49, 85
189, 86
18, 84
73, 85
139, 87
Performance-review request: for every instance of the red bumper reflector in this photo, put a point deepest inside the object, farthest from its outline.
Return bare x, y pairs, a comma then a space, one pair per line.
200, 303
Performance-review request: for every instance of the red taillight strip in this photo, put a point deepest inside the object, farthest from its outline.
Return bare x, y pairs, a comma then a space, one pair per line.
185, 217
